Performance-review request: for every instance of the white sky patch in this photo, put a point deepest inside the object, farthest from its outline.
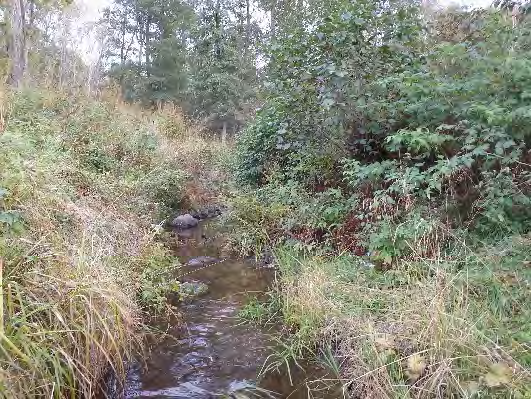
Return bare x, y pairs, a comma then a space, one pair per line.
94, 8
86, 14
469, 3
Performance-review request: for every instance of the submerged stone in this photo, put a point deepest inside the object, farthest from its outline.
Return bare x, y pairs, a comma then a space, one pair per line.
184, 222
193, 289
201, 261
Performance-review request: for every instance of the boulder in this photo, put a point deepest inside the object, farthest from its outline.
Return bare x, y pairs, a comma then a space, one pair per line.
184, 222
207, 212
196, 215
204, 213
201, 261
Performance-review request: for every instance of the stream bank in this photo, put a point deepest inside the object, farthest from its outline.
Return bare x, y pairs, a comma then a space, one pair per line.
212, 353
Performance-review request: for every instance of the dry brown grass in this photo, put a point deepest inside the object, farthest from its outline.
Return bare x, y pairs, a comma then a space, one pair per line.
84, 180
200, 153
66, 303
421, 330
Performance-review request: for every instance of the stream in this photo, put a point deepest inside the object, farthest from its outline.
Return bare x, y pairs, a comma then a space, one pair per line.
211, 353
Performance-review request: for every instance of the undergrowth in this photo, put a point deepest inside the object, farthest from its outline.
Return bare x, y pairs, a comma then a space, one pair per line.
449, 327
389, 173
453, 326
84, 187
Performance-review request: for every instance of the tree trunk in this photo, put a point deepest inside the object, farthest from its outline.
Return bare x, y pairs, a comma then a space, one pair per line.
248, 32
122, 41
273, 22
29, 29
224, 133
62, 63
217, 21
146, 46
17, 43
140, 33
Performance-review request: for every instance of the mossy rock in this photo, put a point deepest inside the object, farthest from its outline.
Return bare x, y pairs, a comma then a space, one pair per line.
193, 289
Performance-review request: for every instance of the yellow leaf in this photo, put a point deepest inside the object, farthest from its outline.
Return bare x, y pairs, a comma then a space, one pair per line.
499, 374
415, 366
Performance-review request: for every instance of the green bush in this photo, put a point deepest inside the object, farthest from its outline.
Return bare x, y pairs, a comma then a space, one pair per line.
316, 77
377, 131
258, 147
411, 144
255, 223
156, 276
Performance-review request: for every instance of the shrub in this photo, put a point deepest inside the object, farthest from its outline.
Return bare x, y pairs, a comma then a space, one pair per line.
317, 77
255, 224
447, 133
412, 147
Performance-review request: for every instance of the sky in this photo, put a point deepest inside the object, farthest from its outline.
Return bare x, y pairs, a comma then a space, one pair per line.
472, 3
94, 7
87, 12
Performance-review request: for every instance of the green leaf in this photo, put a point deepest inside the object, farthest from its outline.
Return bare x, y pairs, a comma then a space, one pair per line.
9, 217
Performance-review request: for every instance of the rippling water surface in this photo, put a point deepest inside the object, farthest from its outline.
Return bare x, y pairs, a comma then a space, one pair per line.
213, 354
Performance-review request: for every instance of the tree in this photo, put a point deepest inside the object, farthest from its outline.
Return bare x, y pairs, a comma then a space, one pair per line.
223, 66
202, 56
27, 30
147, 47
320, 78
17, 43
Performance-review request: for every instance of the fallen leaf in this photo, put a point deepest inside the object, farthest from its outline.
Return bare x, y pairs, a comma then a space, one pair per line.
499, 374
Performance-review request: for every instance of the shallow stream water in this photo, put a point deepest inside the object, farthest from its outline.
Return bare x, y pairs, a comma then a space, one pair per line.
211, 353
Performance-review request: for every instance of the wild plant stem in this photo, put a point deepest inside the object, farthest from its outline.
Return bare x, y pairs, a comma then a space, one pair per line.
1, 297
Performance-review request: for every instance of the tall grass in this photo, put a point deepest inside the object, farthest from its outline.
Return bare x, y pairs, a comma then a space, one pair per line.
446, 327
84, 184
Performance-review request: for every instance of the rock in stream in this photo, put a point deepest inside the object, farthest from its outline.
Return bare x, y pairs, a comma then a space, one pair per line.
201, 261
207, 212
193, 289
186, 221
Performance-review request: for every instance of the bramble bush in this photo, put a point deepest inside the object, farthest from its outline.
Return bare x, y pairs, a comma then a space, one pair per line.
395, 120
408, 142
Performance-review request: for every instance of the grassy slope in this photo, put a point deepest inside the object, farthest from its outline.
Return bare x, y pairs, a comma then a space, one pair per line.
452, 325
82, 183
